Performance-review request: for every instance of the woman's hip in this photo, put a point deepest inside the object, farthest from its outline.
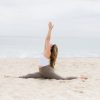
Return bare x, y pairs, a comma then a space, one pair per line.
45, 70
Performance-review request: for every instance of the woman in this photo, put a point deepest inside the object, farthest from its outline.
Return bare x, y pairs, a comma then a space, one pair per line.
47, 60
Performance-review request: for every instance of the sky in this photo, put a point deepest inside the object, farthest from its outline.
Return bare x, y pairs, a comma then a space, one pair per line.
30, 17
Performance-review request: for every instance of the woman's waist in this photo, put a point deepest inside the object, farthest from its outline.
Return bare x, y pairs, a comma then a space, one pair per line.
45, 68
42, 66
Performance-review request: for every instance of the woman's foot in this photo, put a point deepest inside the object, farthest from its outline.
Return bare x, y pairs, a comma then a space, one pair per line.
83, 78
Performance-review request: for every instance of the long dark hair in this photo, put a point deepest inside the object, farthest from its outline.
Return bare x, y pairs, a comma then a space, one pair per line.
53, 56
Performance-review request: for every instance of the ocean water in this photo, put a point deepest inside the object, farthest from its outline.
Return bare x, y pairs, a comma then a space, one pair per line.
28, 46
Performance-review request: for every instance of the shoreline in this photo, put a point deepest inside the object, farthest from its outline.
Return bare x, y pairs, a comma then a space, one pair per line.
38, 57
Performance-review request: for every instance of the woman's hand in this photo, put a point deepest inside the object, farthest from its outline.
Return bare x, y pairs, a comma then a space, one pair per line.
50, 25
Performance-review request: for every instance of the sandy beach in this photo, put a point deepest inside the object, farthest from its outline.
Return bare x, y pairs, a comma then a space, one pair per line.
12, 88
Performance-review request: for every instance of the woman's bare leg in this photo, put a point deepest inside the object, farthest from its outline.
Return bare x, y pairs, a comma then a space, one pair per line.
33, 75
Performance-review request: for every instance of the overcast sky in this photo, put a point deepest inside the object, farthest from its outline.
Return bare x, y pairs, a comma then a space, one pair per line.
30, 17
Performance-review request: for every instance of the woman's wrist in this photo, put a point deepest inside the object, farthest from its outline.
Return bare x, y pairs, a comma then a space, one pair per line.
50, 30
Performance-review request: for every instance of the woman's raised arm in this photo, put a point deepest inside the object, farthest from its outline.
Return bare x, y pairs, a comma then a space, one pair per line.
48, 37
